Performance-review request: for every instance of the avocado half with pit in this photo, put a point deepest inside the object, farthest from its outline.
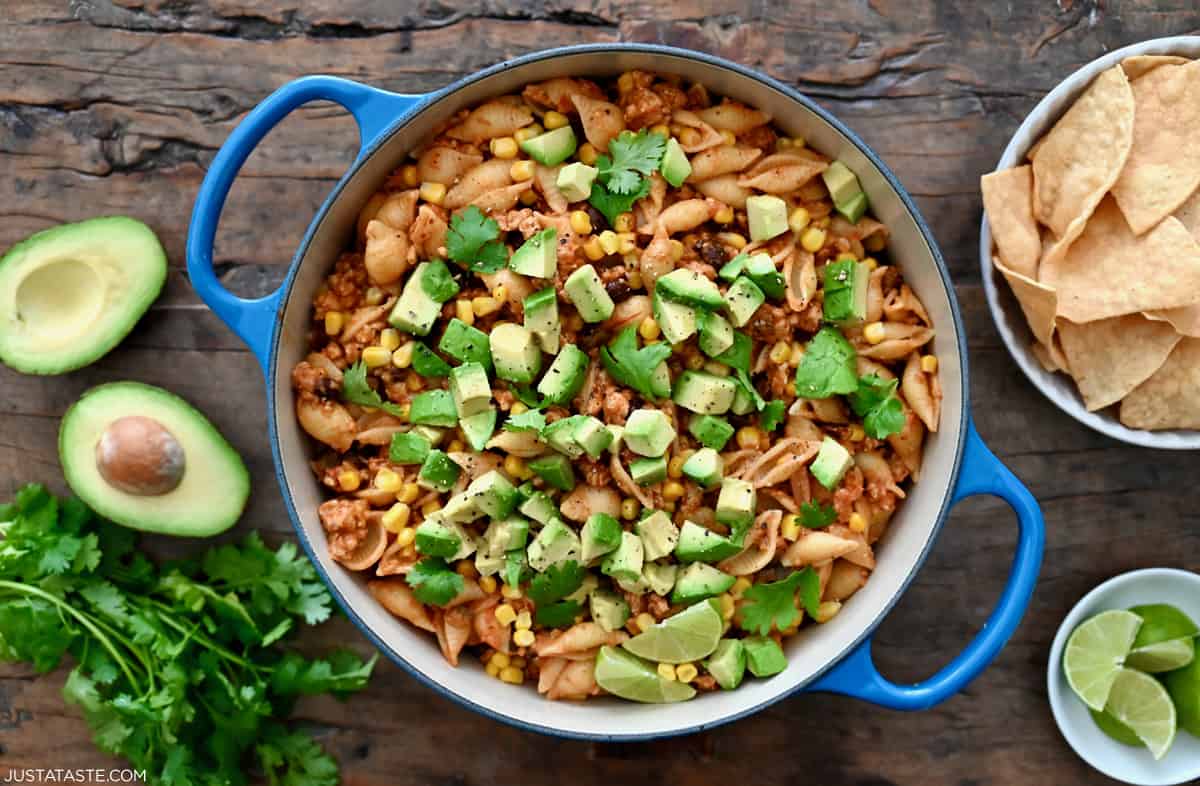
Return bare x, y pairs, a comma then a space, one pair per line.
145, 458
69, 294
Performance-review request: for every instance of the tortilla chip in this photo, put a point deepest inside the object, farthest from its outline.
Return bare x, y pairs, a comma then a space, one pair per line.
1108, 271
1111, 357
1186, 320
1163, 168
1189, 213
1038, 302
1140, 65
1008, 200
1079, 160
1171, 397
1050, 358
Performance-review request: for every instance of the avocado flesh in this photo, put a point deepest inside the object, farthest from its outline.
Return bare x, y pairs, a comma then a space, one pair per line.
69, 294
215, 484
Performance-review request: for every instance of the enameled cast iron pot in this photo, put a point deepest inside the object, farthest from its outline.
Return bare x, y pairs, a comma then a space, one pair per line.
835, 657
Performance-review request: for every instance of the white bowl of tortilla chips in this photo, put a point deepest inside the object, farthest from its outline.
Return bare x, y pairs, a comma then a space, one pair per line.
1090, 246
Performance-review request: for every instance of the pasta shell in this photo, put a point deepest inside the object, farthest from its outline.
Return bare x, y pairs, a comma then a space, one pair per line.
576, 681
709, 136
781, 174
922, 392
372, 546
326, 421
428, 232
479, 180
446, 165
500, 200
908, 442
583, 501
656, 260
899, 340
814, 546
732, 116
716, 161
397, 560
800, 274
495, 118
525, 444
845, 579
759, 553
875, 294
453, 631
397, 597
387, 252
601, 120
368, 212
687, 214
546, 178
725, 188
902, 305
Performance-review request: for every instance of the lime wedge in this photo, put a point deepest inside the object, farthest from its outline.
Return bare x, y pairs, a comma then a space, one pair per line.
1141, 702
1095, 653
1184, 687
632, 678
1115, 729
690, 635
1165, 641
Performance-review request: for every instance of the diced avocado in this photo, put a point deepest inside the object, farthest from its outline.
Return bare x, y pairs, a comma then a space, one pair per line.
575, 181
540, 507
478, 428
660, 578
736, 504
677, 321
846, 283
659, 535
699, 581
415, 311
433, 408
831, 463
842, 183
675, 166
586, 588
609, 610
516, 568
466, 344
733, 268
555, 469
541, 318
555, 544
588, 294
538, 256
601, 534
767, 216
698, 544
626, 562
716, 334
431, 433
764, 656
648, 471
660, 380
591, 435
684, 285
493, 494
470, 388
408, 447
705, 466
648, 432
727, 664
438, 472
552, 147
565, 376
761, 269
488, 564
704, 393
855, 209
438, 282
427, 363
560, 435
438, 537
460, 508
504, 535
634, 586
743, 404
711, 432
515, 353
742, 299
618, 441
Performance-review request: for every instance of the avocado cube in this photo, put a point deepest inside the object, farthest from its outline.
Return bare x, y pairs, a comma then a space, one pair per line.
565, 376
711, 432
560, 435
505, 535
431, 433
634, 586
437, 537
705, 466
618, 433
461, 509
555, 544
493, 494
555, 469
767, 216
552, 147
574, 181
761, 269
716, 334
660, 578
648, 471
466, 344
539, 507
733, 268
478, 428
626, 562
699, 581
541, 318
601, 534
675, 166
588, 294
846, 285
591, 435
704, 393
609, 610
538, 256
684, 285
433, 408
438, 472
736, 504
676, 320
764, 656
727, 664
699, 544
515, 354
841, 182
855, 209
586, 588
742, 404
415, 311
659, 535
470, 388
742, 299
427, 363
648, 432
831, 463
488, 564
408, 447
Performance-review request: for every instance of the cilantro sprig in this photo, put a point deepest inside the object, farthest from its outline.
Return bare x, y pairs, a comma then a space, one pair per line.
635, 367
612, 204
630, 154
828, 366
433, 581
875, 401
772, 415
773, 604
529, 420
814, 515
472, 240
355, 390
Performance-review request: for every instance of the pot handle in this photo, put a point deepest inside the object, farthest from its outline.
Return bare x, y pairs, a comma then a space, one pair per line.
374, 110
982, 473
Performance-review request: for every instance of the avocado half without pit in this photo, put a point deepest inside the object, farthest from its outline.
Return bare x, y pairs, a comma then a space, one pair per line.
145, 458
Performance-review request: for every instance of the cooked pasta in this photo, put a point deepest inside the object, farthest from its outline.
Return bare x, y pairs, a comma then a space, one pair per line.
608, 351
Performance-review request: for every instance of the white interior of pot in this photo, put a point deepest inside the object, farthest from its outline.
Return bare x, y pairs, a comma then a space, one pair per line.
817, 647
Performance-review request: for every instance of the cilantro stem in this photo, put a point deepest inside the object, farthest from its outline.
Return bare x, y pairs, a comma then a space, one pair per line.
165, 613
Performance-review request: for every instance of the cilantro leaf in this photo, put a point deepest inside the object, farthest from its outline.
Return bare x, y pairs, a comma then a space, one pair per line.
514, 567
527, 396
529, 420
633, 367
773, 605
557, 582
828, 366
437, 282
875, 401
557, 615
630, 154
772, 415
472, 240
612, 204
434, 582
814, 515
355, 390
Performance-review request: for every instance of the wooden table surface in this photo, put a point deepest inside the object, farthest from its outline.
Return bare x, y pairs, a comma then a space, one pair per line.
118, 106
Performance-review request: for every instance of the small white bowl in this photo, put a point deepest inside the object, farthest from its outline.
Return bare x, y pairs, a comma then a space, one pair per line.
1179, 588
1006, 312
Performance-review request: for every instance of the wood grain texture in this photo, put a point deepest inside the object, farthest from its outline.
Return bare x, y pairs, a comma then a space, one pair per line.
117, 106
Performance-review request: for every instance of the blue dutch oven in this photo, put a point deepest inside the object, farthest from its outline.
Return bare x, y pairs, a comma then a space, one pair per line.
834, 657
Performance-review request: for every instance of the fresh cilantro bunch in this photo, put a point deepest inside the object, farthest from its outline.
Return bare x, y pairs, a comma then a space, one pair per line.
773, 605
178, 667
633, 367
875, 401
473, 240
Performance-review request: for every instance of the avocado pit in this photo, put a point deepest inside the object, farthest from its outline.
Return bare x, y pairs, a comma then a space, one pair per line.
139, 456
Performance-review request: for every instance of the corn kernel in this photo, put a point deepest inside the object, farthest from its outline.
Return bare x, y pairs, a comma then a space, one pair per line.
593, 250
396, 518
672, 491
552, 120
871, 263
875, 243
628, 243
874, 333
409, 176
374, 296
828, 610
524, 638
430, 507
433, 193
387, 480
512, 676
504, 147
501, 660
689, 137
686, 672
676, 250
728, 137
484, 305
635, 280
649, 329
389, 339
406, 536
527, 133
456, 446
728, 606
492, 669
581, 222
790, 529
505, 614
747, 437
630, 507
512, 593
463, 310
675, 467
587, 153
661, 128
375, 357
402, 357
624, 222
798, 220
740, 586
780, 352
521, 171
516, 468
334, 320
408, 493
666, 671
732, 239
796, 355
349, 480
625, 82
857, 523
783, 143
856, 433
529, 197
645, 621
466, 569
414, 383
799, 141
929, 364
609, 241
524, 620
518, 408
724, 215
812, 239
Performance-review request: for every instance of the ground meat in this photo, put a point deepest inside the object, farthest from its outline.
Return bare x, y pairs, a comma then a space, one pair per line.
779, 379
657, 606
344, 287
691, 501
345, 524
643, 107
762, 137
846, 495
308, 378
616, 406
595, 473
637, 603
504, 399
769, 324
809, 320
705, 683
